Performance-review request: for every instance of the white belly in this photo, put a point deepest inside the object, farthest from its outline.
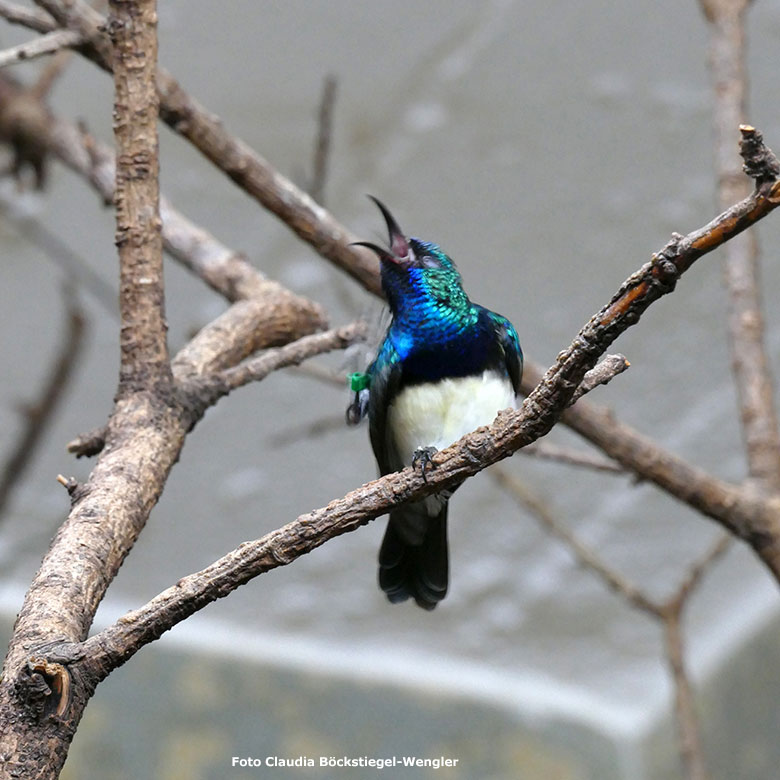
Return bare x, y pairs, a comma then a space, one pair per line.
438, 414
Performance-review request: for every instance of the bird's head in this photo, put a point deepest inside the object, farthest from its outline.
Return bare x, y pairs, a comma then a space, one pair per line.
415, 271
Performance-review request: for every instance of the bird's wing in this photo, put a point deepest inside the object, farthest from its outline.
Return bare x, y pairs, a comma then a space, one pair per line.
510, 344
385, 375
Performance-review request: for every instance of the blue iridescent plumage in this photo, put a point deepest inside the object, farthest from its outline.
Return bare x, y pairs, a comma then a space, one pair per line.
445, 367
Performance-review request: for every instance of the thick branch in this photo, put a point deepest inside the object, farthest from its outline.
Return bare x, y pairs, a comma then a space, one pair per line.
143, 347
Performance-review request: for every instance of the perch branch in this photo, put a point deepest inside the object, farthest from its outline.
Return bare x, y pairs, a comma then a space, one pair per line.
116, 644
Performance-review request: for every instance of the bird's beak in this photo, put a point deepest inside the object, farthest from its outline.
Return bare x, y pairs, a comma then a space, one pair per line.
400, 251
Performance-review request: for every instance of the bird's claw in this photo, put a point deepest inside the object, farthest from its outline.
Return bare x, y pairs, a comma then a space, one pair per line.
424, 456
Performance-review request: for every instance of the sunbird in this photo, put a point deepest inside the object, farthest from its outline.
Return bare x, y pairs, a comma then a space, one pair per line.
445, 367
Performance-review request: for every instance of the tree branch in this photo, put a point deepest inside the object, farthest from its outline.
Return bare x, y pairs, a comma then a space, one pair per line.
731, 506
145, 362
309, 221
323, 144
749, 361
47, 44
292, 354
28, 17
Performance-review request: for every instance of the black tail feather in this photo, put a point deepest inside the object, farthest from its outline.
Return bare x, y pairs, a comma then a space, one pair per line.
413, 559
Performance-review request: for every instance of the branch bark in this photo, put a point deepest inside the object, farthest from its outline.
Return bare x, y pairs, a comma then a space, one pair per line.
144, 359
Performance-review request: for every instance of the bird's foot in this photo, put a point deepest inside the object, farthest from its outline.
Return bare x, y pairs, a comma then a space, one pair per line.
424, 456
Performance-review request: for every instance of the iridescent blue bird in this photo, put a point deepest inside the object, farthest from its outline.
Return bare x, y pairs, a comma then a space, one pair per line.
445, 367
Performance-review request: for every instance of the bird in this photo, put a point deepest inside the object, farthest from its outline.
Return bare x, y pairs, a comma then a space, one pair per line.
445, 367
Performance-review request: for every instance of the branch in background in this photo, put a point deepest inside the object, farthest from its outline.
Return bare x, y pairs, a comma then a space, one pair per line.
639, 454
749, 361
47, 44
49, 74
223, 269
28, 17
39, 413
75, 269
25, 124
324, 135
668, 612
143, 347
243, 165
572, 457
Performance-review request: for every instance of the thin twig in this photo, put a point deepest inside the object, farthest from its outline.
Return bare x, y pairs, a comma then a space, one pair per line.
601, 374
323, 144
47, 44
258, 368
75, 268
546, 450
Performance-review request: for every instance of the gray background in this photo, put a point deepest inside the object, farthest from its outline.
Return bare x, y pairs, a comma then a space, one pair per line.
550, 149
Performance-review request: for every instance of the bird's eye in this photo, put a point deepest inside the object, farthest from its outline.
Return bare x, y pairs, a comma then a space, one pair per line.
430, 262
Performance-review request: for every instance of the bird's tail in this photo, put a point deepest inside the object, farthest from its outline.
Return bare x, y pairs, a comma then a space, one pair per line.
413, 559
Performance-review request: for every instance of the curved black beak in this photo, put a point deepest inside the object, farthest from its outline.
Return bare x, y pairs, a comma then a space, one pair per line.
400, 251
